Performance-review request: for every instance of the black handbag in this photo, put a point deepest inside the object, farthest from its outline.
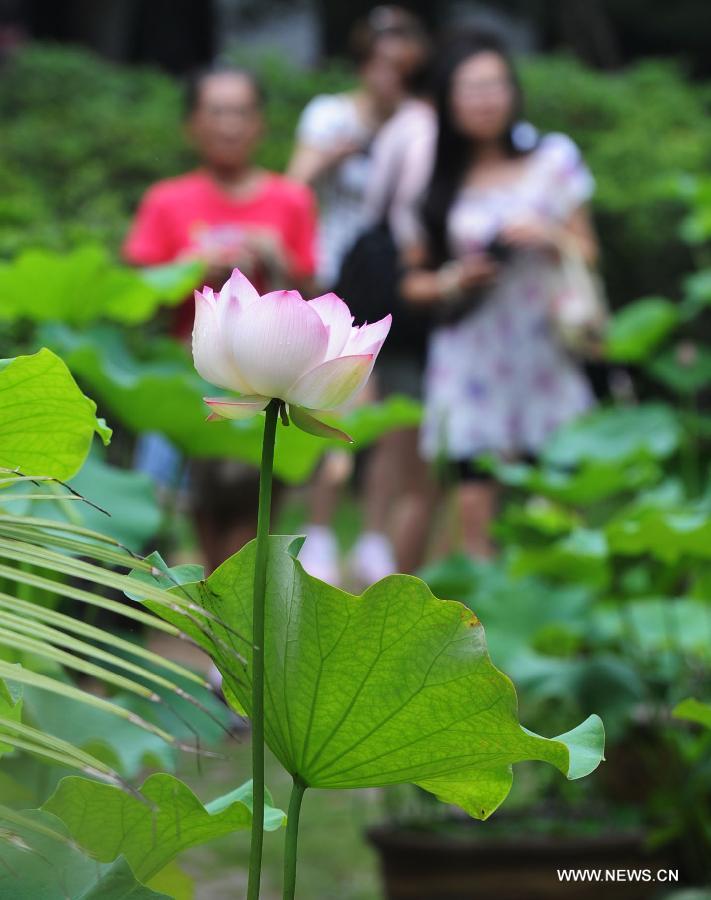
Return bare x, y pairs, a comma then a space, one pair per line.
369, 282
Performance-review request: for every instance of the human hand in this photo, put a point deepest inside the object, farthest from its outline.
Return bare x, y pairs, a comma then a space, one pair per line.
266, 246
337, 154
477, 270
457, 277
530, 232
220, 260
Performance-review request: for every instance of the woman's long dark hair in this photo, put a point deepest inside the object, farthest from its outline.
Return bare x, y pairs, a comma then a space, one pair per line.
454, 149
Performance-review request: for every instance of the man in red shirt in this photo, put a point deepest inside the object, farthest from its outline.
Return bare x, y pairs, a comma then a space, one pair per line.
229, 212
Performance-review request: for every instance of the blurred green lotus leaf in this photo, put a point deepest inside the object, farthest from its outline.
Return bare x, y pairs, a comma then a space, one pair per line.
580, 557
638, 328
589, 482
669, 534
685, 369
86, 284
615, 435
693, 711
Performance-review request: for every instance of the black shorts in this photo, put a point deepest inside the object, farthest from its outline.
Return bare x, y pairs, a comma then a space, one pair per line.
468, 471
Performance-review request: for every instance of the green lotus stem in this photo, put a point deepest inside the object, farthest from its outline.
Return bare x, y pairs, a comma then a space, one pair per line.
292, 836
260, 581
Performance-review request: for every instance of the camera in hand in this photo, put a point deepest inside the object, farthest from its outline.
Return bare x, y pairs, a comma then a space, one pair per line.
501, 253
498, 250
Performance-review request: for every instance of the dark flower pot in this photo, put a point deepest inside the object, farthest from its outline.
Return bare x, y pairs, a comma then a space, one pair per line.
432, 865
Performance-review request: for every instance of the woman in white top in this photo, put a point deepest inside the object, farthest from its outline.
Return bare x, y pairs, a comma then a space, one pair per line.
495, 219
335, 131
338, 153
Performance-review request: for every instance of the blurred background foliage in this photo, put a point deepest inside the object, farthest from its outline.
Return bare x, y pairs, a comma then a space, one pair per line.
73, 171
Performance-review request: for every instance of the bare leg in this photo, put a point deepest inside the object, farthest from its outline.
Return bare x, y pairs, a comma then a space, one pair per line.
477, 501
399, 496
411, 529
319, 555
217, 543
382, 480
413, 509
373, 556
226, 526
327, 486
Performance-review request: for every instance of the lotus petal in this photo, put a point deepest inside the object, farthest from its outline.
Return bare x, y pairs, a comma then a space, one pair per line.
332, 383
336, 316
311, 425
211, 352
242, 408
276, 341
237, 293
368, 338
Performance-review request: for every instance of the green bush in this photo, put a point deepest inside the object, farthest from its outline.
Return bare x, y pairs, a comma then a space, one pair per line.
83, 138
87, 137
636, 128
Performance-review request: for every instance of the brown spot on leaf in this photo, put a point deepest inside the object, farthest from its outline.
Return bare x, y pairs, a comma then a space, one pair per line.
471, 619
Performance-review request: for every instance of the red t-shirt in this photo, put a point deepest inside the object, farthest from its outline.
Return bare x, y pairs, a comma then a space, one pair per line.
180, 215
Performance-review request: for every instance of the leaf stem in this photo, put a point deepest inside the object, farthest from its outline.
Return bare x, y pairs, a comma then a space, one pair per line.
260, 581
292, 836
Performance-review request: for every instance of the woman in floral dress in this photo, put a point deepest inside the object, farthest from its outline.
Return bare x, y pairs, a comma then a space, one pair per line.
501, 206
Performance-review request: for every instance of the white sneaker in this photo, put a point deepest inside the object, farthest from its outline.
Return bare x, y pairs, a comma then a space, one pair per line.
319, 555
372, 558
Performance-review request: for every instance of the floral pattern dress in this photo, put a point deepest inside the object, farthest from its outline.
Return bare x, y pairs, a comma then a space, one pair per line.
497, 381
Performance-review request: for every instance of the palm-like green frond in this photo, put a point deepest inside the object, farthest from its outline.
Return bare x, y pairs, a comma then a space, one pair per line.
65, 560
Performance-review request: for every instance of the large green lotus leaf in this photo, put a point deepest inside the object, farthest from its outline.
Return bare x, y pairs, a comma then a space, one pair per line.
175, 882
86, 284
46, 423
589, 483
515, 610
149, 832
694, 711
165, 394
534, 630
615, 435
118, 882
389, 687
685, 376
638, 328
37, 866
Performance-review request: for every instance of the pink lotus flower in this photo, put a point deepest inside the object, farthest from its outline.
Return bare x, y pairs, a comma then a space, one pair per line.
307, 354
